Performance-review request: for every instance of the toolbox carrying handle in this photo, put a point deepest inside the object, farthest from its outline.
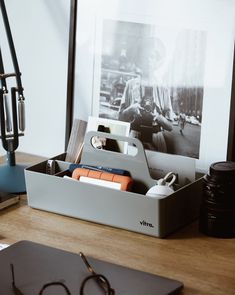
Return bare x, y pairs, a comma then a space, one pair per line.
135, 164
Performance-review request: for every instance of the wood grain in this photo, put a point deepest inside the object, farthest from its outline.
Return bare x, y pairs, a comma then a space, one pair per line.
205, 265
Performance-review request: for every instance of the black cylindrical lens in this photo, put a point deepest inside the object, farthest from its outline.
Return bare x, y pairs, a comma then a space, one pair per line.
217, 212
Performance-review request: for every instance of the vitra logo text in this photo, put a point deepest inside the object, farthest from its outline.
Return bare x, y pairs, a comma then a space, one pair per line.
145, 223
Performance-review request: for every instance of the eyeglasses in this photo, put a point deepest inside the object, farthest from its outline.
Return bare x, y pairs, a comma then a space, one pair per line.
100, 279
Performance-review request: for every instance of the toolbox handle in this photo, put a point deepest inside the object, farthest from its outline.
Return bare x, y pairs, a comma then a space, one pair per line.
136, 164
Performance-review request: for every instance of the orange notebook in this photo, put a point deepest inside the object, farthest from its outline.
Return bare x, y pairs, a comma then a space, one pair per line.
124, 181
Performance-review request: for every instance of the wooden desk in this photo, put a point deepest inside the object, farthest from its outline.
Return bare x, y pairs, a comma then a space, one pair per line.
204, 264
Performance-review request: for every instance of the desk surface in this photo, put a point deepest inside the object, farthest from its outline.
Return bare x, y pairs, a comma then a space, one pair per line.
205, 265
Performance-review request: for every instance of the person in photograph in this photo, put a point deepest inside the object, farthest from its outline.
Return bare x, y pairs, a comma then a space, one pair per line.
146, 104
182, 122
147, 115
131, 99
117, 89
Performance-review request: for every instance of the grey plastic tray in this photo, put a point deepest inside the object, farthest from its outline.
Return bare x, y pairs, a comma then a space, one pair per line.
128, 210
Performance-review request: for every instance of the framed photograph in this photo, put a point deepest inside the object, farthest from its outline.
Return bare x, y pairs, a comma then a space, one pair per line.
165, 67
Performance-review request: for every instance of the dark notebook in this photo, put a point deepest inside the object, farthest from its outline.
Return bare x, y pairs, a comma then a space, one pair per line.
36, 264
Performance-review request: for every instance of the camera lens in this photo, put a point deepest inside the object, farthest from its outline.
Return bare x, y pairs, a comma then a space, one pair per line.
217, 212
148, 108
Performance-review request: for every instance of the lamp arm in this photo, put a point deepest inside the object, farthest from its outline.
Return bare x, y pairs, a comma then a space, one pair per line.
12, 49
11, 175
2, 72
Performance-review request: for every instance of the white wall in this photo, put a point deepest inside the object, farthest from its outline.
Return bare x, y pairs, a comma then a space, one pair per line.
40, 30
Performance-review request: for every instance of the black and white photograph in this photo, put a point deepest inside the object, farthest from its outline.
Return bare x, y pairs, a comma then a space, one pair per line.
152, 77
177, 59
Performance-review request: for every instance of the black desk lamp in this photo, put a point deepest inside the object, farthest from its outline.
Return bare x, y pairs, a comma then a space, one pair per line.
12, 120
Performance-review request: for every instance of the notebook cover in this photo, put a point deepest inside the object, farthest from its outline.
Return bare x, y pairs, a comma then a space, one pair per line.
36, 264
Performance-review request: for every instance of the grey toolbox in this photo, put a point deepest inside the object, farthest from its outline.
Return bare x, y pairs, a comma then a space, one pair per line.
128, 210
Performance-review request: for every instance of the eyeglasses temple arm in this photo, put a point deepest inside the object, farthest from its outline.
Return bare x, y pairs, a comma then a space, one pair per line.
99, 278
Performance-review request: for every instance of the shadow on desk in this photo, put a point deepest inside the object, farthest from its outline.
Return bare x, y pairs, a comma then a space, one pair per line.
190, 231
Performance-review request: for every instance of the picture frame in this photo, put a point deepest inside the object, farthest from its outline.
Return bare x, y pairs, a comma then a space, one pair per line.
217, 136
